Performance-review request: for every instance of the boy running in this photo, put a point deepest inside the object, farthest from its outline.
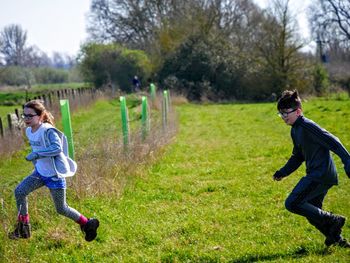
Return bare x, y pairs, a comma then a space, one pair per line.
312, 144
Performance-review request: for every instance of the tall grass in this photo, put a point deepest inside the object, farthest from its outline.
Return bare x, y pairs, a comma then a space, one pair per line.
106, 164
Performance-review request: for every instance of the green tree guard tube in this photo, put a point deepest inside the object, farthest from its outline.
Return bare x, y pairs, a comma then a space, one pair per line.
144, 118
125, 121
168, 101
67, 126
165, 109
153, 91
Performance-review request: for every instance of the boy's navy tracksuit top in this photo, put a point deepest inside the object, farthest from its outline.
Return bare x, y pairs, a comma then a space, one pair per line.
313, 144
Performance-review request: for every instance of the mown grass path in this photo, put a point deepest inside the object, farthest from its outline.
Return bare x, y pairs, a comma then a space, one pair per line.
211, 197
208, 198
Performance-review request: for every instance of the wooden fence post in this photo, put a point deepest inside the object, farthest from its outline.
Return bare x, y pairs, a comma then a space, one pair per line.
50, 100
1, 128
44, 99
17, 113
9, 121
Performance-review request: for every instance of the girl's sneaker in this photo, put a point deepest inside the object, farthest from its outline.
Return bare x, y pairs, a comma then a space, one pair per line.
90, 229
22, 230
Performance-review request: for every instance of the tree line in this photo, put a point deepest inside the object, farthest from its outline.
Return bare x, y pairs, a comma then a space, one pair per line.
24, 64
216, 49
221, 49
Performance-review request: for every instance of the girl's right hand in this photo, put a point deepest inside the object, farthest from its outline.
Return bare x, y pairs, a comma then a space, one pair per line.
32, 157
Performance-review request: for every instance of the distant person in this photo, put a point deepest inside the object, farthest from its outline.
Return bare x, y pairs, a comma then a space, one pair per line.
51, 166
312, 144
137, 84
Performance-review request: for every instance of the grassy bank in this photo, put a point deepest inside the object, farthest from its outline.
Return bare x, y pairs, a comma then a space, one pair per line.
208, 197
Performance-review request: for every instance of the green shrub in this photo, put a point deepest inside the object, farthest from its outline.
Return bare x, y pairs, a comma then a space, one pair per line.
12, 99
320, 79
113, 65
203, 68
15, 76
50, 75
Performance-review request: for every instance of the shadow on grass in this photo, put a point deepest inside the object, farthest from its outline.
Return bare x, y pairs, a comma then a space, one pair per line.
297, 253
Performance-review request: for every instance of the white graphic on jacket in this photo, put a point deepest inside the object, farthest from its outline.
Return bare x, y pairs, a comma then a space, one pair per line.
51, 147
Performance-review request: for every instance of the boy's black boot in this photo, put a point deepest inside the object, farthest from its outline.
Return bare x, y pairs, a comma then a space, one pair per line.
343, 243
330, 240
90, 229
325, 231
22, 230
336, 223
333, 225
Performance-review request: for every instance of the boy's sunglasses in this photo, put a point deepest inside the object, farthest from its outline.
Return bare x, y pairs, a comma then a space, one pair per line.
284, 114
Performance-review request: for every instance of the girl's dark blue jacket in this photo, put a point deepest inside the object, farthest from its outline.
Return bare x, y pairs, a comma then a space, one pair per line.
313, 144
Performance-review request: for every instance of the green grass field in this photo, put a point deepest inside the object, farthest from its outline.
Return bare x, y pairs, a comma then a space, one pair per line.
206, 197
4, 110
16, 96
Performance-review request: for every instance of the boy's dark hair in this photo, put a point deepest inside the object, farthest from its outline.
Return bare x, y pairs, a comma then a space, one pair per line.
289, 100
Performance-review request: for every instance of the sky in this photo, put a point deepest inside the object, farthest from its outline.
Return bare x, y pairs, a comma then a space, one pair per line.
61, 25
51, 25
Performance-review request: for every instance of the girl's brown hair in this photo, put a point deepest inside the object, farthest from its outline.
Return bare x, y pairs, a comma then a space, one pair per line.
39, 108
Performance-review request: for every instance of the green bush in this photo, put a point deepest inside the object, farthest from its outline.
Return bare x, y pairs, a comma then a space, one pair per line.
113, 65
203, 68
74, 75
320, 79
15, 76
11, 99
50, 75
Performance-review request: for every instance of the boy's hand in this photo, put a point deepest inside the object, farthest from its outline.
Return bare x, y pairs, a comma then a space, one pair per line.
32, 156
277, 176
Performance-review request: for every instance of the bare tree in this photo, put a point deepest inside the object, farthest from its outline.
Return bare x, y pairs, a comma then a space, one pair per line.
138, 23
331, 18
124, 21
13, 44
34, 57
159, 27
330, 25
279, 47
340, 11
